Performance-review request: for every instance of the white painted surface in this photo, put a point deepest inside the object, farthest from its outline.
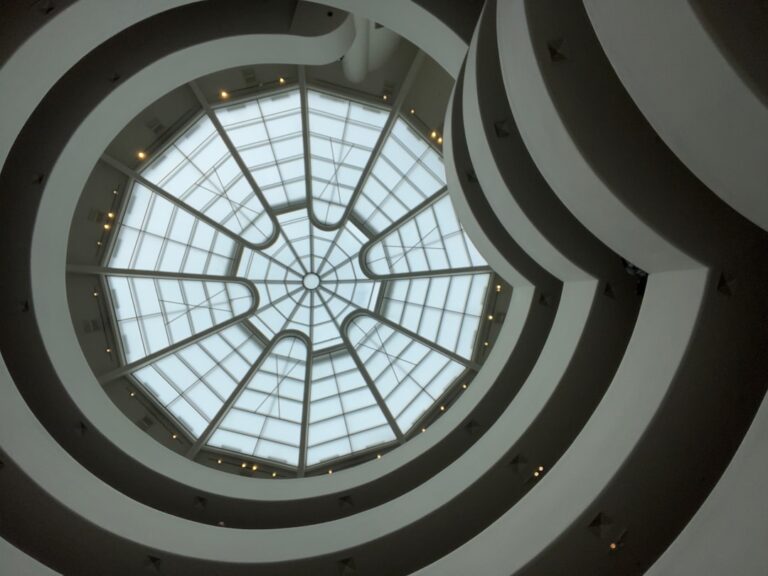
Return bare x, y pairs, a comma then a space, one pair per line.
501, 199
14, 562
694, 98
656, 349
729, 532
560, 160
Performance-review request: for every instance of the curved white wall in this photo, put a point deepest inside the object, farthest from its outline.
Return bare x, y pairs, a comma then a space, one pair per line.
694, 98
13, 562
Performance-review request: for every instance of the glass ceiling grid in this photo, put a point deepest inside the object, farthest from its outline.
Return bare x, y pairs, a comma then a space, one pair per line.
406, 172
194, 382
267, 133
344, 416
156, 235
199, 170
338, 357
153, 313
265, 421
409, 375
446, 309
342, 135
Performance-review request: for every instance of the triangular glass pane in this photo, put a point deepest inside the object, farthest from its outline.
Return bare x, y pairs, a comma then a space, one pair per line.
194, 382
344, 417
343, 135
156, 235
265, 420
409, 375
432, 240
199, 170
154, 313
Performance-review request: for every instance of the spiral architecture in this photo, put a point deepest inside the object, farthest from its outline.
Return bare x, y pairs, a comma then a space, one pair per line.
363, 287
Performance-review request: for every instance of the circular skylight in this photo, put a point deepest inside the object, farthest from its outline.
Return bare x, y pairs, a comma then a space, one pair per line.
289, 280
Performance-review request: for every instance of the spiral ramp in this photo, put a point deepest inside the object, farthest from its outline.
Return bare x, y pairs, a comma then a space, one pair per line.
606, 158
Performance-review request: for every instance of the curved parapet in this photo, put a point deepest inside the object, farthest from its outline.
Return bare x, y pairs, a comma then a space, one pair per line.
684, 80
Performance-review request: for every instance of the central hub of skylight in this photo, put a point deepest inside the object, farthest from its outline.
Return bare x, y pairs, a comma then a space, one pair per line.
311, 281
289, 280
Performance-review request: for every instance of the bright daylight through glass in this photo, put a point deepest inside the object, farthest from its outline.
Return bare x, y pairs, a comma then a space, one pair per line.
289, 280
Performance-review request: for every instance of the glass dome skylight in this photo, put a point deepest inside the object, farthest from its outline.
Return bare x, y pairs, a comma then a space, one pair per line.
289, 280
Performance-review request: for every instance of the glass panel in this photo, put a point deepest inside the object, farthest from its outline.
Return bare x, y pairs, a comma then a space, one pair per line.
409, 375
154, 313
432, 240
267, 134
156, 235
199, 170
194, 382
342, 137
343, 414
445, 309
406, 173
265, 420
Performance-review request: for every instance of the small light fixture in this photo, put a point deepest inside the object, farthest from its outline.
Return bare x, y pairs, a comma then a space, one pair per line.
536, 474
218, 461
541, 468
223, 94
498, 287
490, 316
141, 155
433, 134
221, 523
95, 293
439, 139
274, 474
174, 436
385, 97
243, 465
114, 191
442, 408
111, 215
413, 111
107, 226
109, 350
464, 386
613, 546
423, 429
281, 80
378, 456
486, 343
330, 471
133, 394
98, 242
254, 467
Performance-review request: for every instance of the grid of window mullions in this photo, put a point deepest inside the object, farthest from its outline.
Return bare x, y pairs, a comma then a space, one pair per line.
283, 372
218, 363
347, 146
334, 182
247, 263
287, 312
406, 248
392, 192
420, 243
272, 141
414, 348
166, 240
442, 309
394, 359
236, 208
142, 318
